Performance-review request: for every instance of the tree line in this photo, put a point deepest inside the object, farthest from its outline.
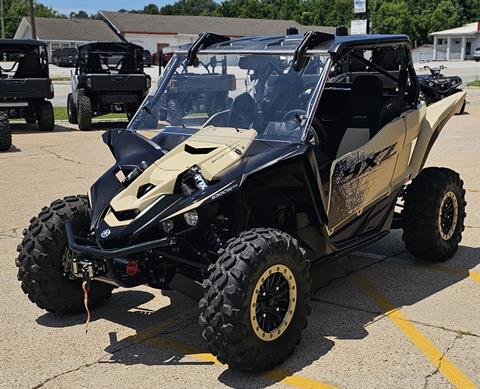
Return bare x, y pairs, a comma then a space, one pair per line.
417, 18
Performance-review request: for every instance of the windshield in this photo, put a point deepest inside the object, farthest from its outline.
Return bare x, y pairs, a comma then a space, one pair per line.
250, 92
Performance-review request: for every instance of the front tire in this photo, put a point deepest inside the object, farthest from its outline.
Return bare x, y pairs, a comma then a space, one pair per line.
434, 214
72, 110
41, 261
5, 132
256, 300
84, 110
45, 115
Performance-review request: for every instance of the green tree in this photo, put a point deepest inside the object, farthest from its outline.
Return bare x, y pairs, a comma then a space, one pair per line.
190, 7
151, 9
15, 10
445, 16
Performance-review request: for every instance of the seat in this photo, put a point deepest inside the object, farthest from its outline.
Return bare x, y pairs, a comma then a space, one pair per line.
243, 112
94, 65
362, 110
29, 67
285, 91
128, 65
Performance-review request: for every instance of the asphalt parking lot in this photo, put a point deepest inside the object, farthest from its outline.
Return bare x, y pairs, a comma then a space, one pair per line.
380, 318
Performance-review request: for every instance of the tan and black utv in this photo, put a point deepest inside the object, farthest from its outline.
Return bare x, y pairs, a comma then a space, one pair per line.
324, 138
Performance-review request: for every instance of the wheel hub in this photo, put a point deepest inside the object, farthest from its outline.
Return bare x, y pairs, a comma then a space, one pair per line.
273, 302
448, 216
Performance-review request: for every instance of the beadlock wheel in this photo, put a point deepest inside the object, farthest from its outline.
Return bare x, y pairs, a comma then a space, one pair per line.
448, 216
273, 302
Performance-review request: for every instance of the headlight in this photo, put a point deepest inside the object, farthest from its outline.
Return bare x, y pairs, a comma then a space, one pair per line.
167, 225
191, 218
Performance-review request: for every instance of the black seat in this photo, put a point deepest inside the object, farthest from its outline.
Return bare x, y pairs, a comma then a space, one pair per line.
94, 65
362, 110
285, 91
29, 67
243, 112
128, 65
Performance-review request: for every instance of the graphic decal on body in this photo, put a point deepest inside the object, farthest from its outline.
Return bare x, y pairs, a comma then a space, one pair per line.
352, 180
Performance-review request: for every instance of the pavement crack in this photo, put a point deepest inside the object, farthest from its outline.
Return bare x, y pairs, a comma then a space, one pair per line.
59, 156
11, 233
54, 377
437, 370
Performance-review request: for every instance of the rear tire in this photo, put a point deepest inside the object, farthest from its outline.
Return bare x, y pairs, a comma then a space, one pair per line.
256, 300
45, 115
40, 262
5, 132
72, 110
434, 214
84, 113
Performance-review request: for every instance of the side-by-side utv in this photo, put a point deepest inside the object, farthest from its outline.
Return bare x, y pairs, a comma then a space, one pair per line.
109, 78
321, 151
25, 86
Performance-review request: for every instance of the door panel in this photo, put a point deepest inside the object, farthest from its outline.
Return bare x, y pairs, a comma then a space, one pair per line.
360, 177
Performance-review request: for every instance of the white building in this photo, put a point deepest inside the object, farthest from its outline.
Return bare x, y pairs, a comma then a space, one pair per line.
59, 33
456, 43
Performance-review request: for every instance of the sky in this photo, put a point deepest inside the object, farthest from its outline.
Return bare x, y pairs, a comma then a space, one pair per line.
92, 6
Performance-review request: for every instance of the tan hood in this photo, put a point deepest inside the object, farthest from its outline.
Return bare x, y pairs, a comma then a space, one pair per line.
212, 149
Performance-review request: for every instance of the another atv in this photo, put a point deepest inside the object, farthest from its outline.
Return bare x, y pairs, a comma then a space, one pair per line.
435, 86
109, 78
190, 93
25, 86
234, 209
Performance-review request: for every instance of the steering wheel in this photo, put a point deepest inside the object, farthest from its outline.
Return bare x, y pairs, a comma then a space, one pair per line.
317, 134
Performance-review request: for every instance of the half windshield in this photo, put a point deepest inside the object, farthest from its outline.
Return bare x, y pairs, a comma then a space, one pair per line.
240, 92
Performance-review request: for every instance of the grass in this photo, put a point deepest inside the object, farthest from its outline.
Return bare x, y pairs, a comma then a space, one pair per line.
61, 114
474, 83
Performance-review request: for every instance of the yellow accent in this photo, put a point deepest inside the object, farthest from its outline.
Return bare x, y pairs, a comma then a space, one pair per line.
447, 368
149, 337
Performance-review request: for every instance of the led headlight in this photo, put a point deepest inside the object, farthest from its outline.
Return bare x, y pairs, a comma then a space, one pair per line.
167, 225
191, 218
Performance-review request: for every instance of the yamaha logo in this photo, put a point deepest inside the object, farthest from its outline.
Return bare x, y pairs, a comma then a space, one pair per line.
105, 233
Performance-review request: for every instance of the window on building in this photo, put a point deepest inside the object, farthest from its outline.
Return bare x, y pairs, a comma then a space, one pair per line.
440, 41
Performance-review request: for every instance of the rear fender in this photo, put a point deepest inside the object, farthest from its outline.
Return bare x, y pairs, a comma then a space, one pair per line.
438, 114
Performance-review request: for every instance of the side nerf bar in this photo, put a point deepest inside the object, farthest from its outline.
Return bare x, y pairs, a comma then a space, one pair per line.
112, 253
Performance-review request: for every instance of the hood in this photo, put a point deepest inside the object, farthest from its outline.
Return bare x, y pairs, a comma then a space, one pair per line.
211, 149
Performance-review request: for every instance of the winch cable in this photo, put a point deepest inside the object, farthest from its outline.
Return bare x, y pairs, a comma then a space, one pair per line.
86, 290
85, 302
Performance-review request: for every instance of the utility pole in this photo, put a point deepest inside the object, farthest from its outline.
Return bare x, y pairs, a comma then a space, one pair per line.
1, 19
32, 19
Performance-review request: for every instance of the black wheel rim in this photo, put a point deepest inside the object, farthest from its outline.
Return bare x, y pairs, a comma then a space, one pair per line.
448, 215
273, 302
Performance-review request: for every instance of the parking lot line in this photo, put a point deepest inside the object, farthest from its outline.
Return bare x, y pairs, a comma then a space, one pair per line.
465, 273
151, 336
447, 368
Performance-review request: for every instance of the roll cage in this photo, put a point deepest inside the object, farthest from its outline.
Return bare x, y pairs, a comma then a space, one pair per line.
344, 51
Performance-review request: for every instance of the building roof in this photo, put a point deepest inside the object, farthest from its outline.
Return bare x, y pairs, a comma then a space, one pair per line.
79, 30
179, 24
467, 29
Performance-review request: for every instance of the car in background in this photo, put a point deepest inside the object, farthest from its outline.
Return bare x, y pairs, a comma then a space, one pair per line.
147, 58
476, 54
65, 57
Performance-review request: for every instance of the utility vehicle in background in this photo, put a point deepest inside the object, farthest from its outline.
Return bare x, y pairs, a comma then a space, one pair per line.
321, 151
109, 78
25, 86
435, 86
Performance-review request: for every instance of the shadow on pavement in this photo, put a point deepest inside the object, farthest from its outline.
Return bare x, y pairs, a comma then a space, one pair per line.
339, 310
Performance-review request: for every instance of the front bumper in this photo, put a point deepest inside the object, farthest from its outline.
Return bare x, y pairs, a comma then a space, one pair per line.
113, 253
